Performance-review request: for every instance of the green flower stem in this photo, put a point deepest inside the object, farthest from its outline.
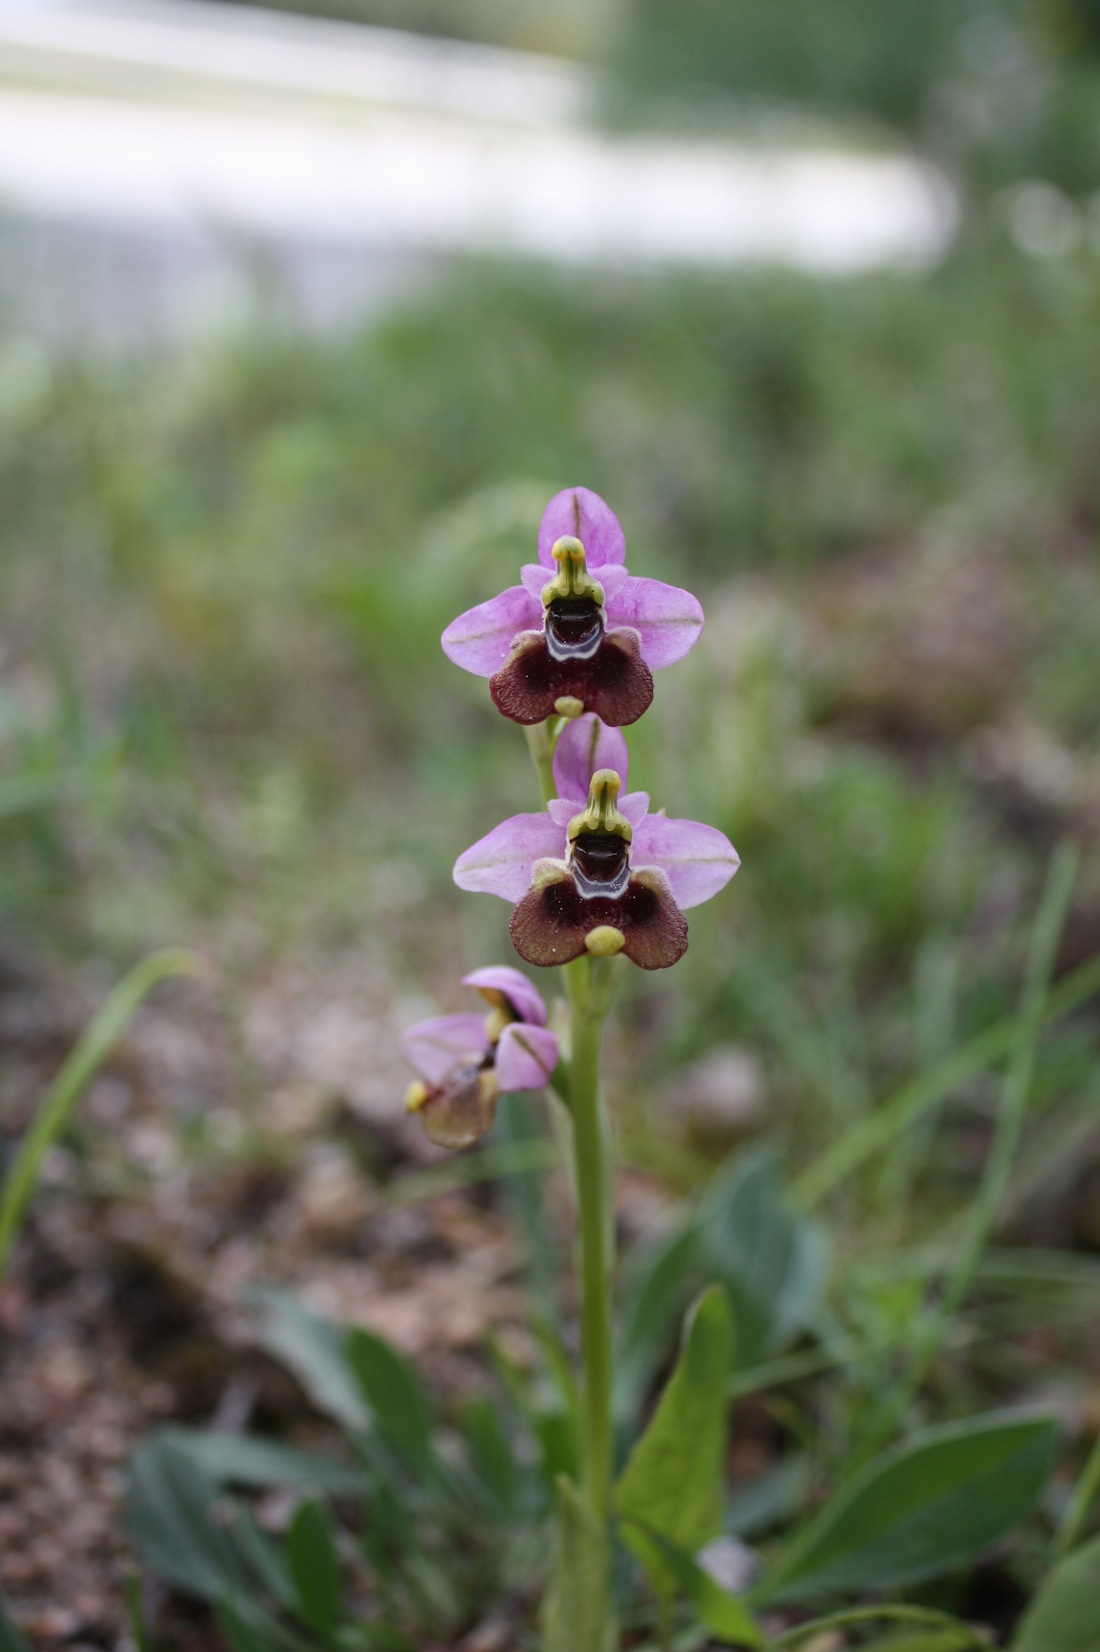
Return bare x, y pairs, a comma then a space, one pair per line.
592, 1165
588, 986
540, 743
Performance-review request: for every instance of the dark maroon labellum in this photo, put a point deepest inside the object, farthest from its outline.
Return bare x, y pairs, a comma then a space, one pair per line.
550, 923
614, 682
574, 628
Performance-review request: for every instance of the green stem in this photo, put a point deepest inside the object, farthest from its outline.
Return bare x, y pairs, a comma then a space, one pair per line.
593, 1180
588, 983
80, 1067
540, 743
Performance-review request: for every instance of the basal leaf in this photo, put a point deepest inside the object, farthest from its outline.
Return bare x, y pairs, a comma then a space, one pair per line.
247, 1460
717, 1610
12, 1638
315, 1566
1065, 1614
919, 1509
574, 1615
771, 1258
672, 1482
313, 1349
170, 1512
394, 1396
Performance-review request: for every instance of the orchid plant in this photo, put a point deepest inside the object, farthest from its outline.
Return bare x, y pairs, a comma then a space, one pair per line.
592, 877
454, 1503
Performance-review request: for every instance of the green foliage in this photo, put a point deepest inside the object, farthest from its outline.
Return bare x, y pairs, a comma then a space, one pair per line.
80, 1068
1064, 1616
12, 1638
315, 1567
923, 1508
573, 1611
745, 1233
672, 1482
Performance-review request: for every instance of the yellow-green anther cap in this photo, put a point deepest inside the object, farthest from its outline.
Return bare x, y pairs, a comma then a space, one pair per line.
572, 578
601, 814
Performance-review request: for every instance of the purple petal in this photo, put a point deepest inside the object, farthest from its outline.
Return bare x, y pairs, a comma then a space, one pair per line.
584, 746
635, 806
612, 576
669, 620
582, 513
699, 860
525, 999
436, 1047
526, 1057
500, 863
480, 640
534, 577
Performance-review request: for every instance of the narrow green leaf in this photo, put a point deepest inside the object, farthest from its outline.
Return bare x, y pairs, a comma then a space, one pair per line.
315, 1566
170, 1512
394, 1396
314, 1350
656, 1285
77, 1071
771, 1258
925, 1640
673, 1479
491, 1452
1065, 1614
12, 1638
717, 1610
918, 1509
575, 1615
246, 1460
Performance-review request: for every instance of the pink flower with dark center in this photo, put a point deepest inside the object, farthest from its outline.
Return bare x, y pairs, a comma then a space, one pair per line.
580, 633
467, 1061
597, 872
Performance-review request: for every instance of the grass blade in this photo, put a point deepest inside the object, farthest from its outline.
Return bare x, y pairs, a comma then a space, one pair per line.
79, 1068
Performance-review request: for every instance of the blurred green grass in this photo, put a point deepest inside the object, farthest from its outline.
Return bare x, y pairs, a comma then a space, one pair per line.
225, 718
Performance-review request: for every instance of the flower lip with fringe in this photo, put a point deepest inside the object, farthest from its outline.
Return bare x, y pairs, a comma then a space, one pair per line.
597, 872
467, 1061
579, 633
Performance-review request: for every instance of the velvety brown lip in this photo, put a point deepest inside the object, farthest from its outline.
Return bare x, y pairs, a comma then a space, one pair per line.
550, 923
615, 683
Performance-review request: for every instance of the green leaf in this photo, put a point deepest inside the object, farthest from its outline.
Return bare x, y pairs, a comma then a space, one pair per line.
245, 1460
12, 1638
673, 1479
771, 1258
170, 1512
575, 1606
1065, 1614
717, 1610
919, 1509
394, 1397
315, 1567
492, 1453
657, 1283
314, 1350
925, 1640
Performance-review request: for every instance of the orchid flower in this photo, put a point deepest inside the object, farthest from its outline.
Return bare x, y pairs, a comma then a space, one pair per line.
467, 1061
597, 872
572, 637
